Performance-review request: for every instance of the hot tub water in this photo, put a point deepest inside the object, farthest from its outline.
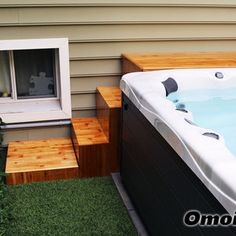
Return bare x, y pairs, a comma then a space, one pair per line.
213, 109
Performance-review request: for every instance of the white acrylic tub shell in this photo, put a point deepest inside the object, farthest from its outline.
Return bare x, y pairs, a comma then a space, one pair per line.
208, 158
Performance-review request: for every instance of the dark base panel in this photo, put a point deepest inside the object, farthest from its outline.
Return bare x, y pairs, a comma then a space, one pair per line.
161, 186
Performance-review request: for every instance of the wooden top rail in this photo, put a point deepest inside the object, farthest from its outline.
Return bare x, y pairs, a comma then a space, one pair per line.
161, 61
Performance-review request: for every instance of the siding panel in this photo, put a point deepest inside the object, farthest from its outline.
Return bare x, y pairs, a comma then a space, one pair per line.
83, 84
83, 101
8, 16
106, 15
114, 49
92, 33
94, 66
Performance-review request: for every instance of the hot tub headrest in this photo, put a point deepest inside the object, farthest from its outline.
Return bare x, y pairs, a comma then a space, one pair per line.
170, 85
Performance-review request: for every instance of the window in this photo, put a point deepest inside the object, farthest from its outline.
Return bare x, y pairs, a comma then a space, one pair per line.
34, 80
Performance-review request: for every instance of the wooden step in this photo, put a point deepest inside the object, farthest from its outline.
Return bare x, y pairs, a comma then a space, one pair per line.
96, 140
111, 96
108, 102
88, 131
40, 160
91, 147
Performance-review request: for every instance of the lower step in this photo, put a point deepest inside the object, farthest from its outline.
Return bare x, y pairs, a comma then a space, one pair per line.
41, 160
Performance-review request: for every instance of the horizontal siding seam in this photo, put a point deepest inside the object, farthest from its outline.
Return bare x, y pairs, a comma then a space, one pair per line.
95, 58
94, 75
200, 38
83, 92
17, 24
109, 4
83, 108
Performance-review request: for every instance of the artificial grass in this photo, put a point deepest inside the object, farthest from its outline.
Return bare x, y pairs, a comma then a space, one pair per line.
3, 152
68, 207
4, 208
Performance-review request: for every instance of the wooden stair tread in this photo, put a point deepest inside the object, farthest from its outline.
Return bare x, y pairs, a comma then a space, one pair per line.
88, 131
40, 155
111, 95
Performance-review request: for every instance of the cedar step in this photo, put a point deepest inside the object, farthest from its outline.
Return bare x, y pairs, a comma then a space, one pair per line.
40, 160
91, 146
111, 96
108, 101
108, 104
96, 140
88, 131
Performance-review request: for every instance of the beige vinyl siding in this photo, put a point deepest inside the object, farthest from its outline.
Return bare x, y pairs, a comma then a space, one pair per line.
99, 31
36, 133
87, 84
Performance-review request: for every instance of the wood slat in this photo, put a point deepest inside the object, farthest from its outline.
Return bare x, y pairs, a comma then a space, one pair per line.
43, 175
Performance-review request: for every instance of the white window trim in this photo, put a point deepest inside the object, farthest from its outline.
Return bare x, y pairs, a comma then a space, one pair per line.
64, 101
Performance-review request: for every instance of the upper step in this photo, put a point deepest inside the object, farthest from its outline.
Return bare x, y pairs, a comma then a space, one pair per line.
108, 103
111, 96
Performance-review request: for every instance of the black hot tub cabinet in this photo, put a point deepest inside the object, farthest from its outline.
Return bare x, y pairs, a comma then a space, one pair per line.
160, 184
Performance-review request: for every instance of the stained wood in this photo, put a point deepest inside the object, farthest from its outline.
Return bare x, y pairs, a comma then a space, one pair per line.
96, 140
88, 131
40, 176
94, 160
40, 160
160, 61
103, 113
91, 147
111, 95
107, 99
108, 113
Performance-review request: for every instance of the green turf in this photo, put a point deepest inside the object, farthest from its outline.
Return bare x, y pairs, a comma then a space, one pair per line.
2, 158
69, 207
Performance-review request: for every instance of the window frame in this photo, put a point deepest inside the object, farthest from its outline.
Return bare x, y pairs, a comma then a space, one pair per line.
63, 95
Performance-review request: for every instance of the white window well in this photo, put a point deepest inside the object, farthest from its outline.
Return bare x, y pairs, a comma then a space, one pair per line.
34, 80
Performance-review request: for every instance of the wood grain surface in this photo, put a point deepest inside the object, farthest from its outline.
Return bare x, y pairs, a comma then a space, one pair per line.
40, 160
161, 61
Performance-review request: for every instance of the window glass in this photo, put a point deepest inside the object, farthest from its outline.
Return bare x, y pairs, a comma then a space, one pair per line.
35, 73
5, 79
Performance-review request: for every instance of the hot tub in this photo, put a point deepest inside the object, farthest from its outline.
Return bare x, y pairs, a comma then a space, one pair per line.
189, 117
